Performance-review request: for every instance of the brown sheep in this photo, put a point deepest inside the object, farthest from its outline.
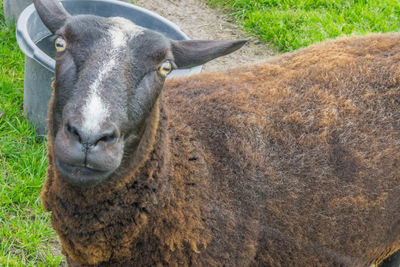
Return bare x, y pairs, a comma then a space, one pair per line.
293, 162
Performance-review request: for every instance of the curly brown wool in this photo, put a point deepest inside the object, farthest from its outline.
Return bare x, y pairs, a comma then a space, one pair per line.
293, 162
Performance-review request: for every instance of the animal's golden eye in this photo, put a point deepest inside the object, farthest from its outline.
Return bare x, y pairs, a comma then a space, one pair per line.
165, 68
60, 44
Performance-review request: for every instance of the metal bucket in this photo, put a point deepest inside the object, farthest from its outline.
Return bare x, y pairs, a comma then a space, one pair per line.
12, 8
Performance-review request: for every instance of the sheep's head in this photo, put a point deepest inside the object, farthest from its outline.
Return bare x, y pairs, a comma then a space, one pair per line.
109, 74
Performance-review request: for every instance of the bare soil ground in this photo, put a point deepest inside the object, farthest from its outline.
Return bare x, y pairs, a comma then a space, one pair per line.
199, 21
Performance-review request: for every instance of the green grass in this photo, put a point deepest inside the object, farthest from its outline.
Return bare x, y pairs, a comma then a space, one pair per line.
26, 236
291, 24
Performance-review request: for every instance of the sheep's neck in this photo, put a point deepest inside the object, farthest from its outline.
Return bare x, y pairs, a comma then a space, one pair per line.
111, 222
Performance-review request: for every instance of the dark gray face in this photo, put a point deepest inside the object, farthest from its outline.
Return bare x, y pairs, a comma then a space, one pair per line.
109, 74
108, 79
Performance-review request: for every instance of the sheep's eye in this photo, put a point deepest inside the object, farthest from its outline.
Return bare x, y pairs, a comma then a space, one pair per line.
60, 44
165, 68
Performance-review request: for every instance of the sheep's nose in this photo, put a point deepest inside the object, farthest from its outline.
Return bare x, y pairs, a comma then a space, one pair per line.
106, 136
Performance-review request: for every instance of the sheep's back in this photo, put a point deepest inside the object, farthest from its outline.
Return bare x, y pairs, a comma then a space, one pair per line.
303, 151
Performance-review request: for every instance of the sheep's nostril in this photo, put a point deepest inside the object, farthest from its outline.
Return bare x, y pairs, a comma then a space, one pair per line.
107, 138
73, 132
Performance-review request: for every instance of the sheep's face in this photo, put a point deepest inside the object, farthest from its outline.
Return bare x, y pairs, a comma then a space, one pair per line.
109, 74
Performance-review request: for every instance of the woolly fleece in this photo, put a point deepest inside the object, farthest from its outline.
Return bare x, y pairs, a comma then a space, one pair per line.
293, 162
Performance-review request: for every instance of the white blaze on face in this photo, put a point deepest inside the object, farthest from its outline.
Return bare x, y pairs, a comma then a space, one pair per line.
96, 111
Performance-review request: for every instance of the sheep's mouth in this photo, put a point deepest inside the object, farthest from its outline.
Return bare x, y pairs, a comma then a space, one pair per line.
81, 176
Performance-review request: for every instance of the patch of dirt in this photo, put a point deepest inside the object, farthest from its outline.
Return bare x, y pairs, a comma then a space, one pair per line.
199, 21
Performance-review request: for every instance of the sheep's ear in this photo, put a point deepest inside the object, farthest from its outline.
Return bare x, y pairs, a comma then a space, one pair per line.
52, 13
192, 53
